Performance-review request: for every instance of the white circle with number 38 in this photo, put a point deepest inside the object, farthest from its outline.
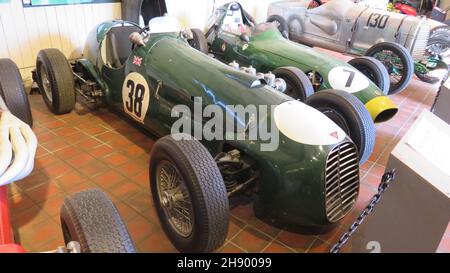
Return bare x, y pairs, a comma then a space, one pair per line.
135, 96
347, 79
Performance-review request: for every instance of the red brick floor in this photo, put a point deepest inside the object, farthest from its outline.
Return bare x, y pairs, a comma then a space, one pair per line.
87, 149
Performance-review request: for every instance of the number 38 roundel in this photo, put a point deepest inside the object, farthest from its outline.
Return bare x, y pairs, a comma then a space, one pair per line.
135, 96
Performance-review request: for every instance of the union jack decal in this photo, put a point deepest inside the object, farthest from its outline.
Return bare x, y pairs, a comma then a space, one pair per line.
137, 60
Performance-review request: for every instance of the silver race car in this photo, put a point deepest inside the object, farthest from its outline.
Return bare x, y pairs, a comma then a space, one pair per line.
343, 26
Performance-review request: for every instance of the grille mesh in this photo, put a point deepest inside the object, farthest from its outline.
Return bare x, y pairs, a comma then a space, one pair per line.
421, 42
342, 181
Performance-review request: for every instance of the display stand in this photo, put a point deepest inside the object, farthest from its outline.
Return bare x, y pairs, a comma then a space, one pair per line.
441, 106
414, 212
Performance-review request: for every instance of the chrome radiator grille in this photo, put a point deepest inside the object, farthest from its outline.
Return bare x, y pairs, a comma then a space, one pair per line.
342, 181
421, 41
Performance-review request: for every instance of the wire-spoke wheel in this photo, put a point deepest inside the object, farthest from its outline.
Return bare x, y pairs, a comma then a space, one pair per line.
46, 84
189, 194
393, 65
398, 62
175, 198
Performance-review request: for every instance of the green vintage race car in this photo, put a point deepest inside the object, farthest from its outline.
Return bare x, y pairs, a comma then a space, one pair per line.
233, 36
309, 181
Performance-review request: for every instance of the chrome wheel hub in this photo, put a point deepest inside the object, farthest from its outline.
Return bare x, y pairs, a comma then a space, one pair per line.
46, 84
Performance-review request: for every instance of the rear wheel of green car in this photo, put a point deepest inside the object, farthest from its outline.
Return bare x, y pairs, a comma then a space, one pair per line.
13, 91
189, 194
198, 41
374, 70
398, 62
55, 80
351, 115
298, 85
91, 219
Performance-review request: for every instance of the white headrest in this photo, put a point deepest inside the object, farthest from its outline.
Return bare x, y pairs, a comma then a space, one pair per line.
164, 24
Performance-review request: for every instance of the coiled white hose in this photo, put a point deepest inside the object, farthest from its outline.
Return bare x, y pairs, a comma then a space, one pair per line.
18, 146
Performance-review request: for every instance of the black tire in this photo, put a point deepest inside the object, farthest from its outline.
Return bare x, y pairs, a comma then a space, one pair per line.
198, 41
298, 84
206, 191
438, 46
92, 220
405, 59
351, 115
282, 24
374, 70
51, 64
13, 91
440, 31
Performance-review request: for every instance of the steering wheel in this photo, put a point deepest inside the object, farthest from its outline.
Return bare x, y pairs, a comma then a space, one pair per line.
144, 29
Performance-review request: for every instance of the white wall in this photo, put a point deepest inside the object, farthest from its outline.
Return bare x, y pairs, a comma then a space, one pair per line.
196, 15
25, 31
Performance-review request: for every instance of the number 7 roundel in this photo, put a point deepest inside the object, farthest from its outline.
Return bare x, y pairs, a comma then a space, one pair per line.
135, 96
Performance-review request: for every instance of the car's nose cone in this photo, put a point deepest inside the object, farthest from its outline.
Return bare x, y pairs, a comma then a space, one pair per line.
381, 109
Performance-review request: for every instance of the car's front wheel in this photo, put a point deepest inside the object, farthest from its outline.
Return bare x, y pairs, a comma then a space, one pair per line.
13, 91
91, 219
398, 62
350, 114
298, 85
55, 80
189, 194
374, 70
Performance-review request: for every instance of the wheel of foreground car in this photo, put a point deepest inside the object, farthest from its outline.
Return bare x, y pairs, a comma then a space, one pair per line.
397, 61
374, 70
349, 113
55, 80
199, 41
13, 91
92, 220
281, 23
298, 85
189, 194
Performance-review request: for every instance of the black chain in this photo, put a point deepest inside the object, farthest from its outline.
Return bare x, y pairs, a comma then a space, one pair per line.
385, 181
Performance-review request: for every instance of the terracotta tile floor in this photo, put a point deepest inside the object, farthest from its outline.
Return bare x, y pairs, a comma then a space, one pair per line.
86, 149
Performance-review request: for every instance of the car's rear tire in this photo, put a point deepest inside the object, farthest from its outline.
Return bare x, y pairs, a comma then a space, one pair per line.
282, 24
387, 53
92, 220
13, 91
442, 31
200, 189
350, 114
198, 41
55, 80
374, 70
438, 46
298, 85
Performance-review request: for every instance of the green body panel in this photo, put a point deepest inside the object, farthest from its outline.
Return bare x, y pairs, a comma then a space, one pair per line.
268, 51
292, 180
